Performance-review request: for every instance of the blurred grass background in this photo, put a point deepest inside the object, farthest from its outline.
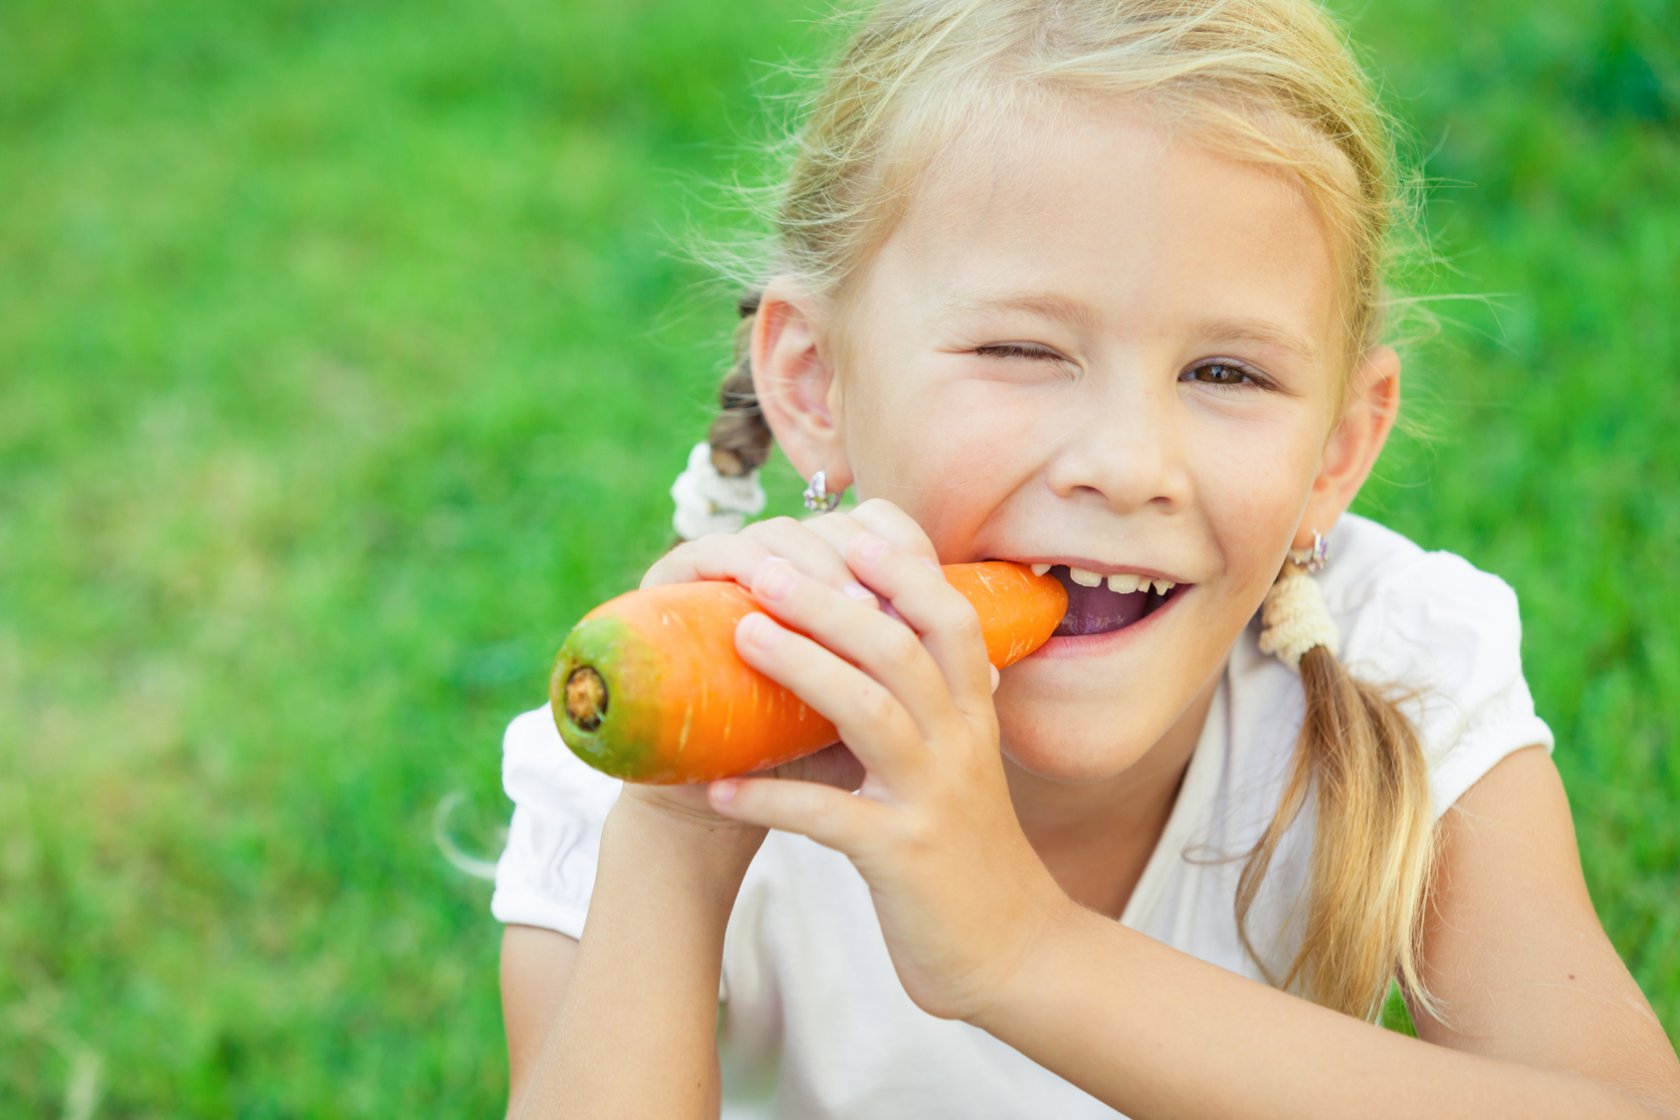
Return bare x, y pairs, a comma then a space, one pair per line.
346, 359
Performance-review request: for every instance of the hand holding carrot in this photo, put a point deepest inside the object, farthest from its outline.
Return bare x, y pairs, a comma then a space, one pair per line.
813, 547
961, 895
647, 688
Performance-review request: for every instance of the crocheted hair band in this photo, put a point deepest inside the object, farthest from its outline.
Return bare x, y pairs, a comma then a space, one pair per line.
710, 502
1295, 619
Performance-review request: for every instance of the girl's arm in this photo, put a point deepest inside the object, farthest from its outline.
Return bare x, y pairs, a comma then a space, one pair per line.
1544, 1018
626, 1024
535, 965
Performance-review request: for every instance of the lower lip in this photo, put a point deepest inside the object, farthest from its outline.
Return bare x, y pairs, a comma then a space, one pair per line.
1094, 645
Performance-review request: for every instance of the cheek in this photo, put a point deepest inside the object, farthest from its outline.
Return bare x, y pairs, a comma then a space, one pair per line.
937, 451
1255, 495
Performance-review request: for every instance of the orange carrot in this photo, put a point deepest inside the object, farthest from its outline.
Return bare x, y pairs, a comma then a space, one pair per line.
649, 688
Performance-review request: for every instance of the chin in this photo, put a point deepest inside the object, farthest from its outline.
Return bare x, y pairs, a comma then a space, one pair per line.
1076, 757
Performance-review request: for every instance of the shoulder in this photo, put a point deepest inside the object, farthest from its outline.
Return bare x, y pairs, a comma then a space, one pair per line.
1417, 618
1445, 638
1369, 562
1401, 607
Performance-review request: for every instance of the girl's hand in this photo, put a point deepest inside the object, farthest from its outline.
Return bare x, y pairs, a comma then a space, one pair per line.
961, 895
814, 548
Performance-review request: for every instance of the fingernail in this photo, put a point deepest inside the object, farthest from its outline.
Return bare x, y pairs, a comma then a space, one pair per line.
997, 678
759, 631
871, 547
861, 593
774, 579
722, 792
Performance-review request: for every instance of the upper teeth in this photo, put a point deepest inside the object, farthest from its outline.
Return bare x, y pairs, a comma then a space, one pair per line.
1084, 578
1121, 582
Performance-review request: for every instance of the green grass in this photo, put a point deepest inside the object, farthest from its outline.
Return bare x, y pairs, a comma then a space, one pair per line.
347, 358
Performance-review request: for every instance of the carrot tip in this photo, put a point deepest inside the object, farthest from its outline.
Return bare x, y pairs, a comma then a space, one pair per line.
586, 698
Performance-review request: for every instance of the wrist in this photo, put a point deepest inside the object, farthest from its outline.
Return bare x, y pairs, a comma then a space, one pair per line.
1048, 946
655, 833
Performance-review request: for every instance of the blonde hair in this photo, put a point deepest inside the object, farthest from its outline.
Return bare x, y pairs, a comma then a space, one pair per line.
1267, 81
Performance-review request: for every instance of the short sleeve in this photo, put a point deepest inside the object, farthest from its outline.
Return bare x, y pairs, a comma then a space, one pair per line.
1447, 637
547, 871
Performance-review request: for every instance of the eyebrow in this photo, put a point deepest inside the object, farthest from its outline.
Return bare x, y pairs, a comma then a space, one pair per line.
1262, 331
1047, 305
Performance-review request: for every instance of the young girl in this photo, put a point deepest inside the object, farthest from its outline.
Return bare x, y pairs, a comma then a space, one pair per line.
1093, 285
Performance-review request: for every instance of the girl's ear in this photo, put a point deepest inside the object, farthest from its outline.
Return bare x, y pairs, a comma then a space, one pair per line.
1353, 447
793, 377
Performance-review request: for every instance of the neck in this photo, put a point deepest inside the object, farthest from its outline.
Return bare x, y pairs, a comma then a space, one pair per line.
1097, 837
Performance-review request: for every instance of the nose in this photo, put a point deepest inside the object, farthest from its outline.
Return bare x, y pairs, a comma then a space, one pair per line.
1123, 446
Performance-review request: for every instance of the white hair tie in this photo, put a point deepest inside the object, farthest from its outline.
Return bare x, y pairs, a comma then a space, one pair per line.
1295, 619
709, 502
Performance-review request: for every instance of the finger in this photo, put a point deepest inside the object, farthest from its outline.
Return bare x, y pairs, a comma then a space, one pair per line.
831, 817
894, 526
714, 556
871, 721
946, 621
808, 549
737, 556
887, 650
838, 529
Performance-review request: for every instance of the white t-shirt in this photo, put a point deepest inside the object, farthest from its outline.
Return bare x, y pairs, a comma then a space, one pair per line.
815, 1024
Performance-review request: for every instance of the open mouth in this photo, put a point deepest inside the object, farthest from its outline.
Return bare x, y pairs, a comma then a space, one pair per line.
1114, 603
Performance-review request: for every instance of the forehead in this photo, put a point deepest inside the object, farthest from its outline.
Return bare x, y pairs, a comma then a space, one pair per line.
1125, 221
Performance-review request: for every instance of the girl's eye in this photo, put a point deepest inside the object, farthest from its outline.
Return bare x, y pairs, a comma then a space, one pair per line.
1017, 350
1224, 373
